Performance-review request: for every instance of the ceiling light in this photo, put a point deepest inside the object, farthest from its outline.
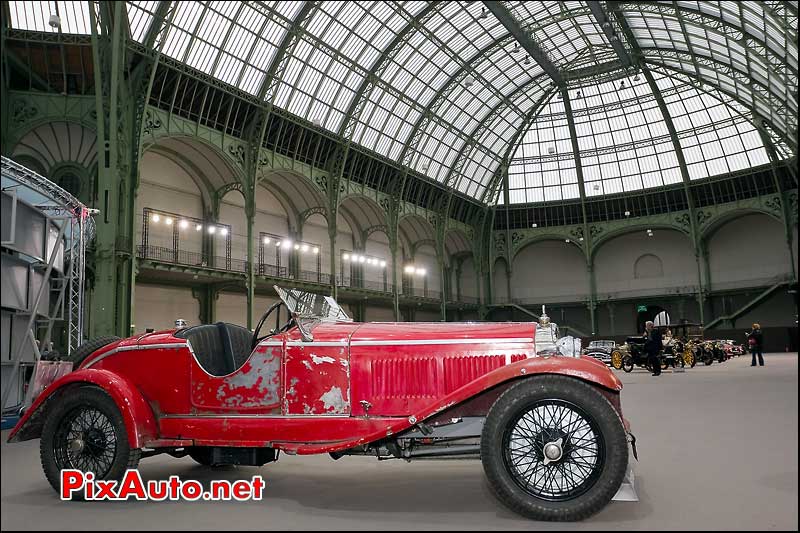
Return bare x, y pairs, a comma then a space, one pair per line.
316, 250
346, 257
409, 269
627, 213
168, 221
266, 240
650, 234
212, 230
383, 264
622, 84
516, 49
636, 78
484, 14
287, 243
534, 225
578, 95
361, 258
296, 246
223, 231
526, 61
469, 81
55, 21
278, 244
184, 224
317, 122
155, 218
596, 187
580, 239
198, 227
551, 150
566, 240
421, 271
425, 167
304, 248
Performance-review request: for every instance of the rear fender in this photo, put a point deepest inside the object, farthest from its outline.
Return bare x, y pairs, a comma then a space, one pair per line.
140, 422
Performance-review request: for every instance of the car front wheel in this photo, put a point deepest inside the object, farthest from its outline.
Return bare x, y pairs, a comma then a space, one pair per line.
85, 431
553, 448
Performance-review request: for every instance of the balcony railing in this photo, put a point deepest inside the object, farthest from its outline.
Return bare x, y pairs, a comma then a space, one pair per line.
198, 259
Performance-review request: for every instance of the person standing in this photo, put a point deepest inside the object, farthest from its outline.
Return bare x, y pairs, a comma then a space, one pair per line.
756, 341
652, 346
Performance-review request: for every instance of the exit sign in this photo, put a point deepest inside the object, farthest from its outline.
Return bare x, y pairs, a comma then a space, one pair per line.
641, 309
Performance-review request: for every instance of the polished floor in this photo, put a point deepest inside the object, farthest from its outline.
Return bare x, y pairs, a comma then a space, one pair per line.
717, 450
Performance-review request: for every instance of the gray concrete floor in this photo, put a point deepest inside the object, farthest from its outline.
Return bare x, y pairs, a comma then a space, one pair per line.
717, 450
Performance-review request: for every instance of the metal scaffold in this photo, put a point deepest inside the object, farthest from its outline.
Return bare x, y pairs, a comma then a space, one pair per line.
45, 232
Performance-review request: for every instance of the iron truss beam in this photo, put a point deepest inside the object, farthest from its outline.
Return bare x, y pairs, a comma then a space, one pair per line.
606, 25
525, 40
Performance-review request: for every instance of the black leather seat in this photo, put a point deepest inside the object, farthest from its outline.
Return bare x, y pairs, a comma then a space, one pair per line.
220, 348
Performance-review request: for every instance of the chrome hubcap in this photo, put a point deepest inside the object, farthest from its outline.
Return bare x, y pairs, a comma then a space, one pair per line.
553, 451
76, 445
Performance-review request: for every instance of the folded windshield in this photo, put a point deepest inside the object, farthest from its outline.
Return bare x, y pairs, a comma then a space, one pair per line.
310, 305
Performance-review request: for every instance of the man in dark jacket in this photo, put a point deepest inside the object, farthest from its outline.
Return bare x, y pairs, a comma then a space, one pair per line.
756, 341
652, 346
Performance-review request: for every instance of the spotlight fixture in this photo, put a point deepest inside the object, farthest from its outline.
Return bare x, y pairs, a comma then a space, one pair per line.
55, 21
223, 231
526, 61
296, 246
316, 250
484, 14
361, 258
266, 240
578, 95
596, 187
287, 243
383, 264
278, 244
469, 81
516, 49
317, 122
551, 150
168, 221
424, 167
636, 78
346, 257
183, 224
420, 271
566, 240
155, 218
198, 227
534, 225
580, 239
627, 213
622, 84
409, 269
304, 248
212, 230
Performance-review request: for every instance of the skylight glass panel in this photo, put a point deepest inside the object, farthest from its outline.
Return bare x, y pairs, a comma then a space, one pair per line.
35, 16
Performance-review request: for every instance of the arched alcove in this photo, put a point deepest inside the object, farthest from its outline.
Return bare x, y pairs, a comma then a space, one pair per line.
648, 266
549, 271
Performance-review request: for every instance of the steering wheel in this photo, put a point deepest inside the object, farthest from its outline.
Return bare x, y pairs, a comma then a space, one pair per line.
264, 317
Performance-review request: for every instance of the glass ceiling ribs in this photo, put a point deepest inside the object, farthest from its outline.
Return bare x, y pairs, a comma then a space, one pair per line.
624, 143
35, 16
443, 88
737, 46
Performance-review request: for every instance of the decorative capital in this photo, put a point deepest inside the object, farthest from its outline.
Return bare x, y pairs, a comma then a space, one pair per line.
151, 123
22, 112
237, 152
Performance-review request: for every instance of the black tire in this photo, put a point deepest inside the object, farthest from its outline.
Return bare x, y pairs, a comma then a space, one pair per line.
627, 363
88, 348
59, 425
604, 431
707, 358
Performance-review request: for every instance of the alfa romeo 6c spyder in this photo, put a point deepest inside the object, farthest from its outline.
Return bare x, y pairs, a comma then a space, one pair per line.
548, 430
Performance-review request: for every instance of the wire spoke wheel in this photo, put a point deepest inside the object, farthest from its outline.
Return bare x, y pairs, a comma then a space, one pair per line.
85, 440
616, 359
554, 450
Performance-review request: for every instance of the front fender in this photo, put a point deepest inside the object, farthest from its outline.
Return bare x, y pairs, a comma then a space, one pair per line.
140, 422
584, 368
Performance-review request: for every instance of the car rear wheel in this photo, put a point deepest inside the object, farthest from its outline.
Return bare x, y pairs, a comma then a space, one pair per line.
689, 359
616, 359
88, 348
85, 431
627, 363
553, 448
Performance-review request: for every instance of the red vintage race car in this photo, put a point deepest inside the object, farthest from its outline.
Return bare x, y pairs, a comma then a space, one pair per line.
548, 430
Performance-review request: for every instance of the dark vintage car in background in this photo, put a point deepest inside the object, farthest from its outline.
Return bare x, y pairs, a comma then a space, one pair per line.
600, 350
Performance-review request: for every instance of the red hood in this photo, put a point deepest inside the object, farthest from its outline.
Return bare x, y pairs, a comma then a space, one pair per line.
416, 331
